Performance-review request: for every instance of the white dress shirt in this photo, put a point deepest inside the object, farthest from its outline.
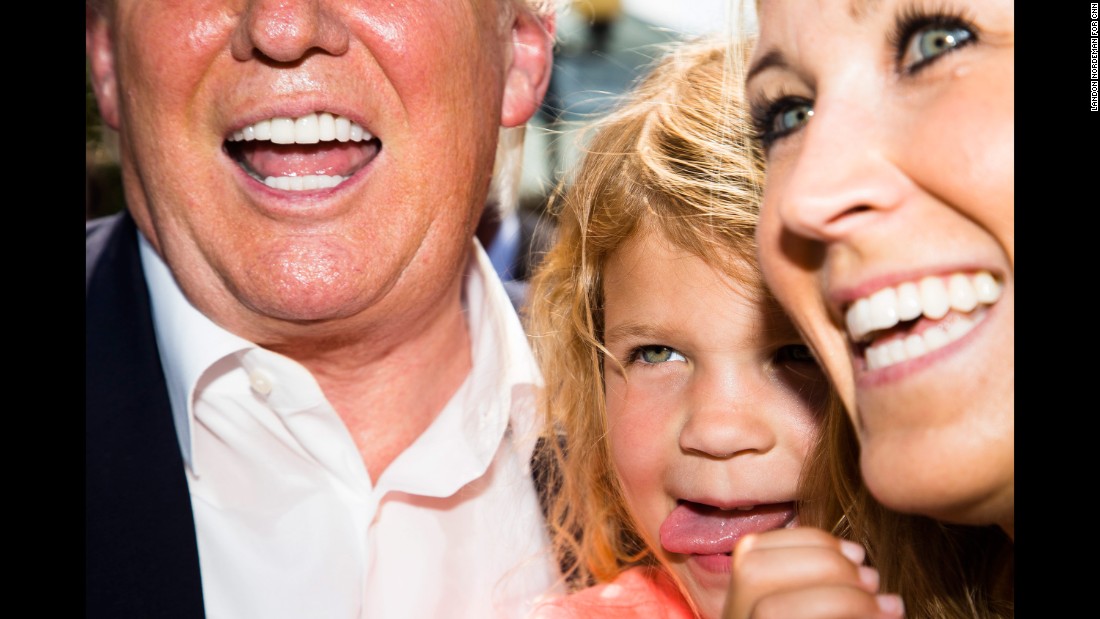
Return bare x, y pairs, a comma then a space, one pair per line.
289, 524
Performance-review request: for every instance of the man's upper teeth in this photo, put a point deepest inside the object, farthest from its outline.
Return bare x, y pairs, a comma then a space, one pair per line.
932, 297
308, 129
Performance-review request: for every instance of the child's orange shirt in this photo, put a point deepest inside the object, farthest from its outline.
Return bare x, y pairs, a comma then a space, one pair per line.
637, 593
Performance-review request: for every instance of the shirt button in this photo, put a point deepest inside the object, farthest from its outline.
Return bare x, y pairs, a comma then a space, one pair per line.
261, 382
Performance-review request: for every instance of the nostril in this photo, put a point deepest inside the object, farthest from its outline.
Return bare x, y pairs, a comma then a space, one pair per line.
287, 34
240, 44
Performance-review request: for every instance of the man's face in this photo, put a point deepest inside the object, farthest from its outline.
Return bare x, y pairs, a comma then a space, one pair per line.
381, 220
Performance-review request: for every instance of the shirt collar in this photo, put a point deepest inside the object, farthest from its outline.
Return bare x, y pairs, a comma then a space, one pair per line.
499, 389
188, 341
497, 396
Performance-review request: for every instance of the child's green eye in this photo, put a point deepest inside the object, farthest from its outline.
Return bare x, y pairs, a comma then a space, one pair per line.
657, 354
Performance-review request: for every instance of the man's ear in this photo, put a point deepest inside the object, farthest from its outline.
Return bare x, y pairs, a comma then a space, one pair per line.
101, 62
528, 75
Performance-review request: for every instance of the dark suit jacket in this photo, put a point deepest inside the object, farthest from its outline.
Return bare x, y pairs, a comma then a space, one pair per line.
141, 555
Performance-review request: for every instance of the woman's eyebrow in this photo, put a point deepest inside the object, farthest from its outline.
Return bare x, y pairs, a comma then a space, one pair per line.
774, 58
859, 9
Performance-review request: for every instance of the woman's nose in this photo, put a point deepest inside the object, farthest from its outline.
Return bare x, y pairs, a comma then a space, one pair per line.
839, 175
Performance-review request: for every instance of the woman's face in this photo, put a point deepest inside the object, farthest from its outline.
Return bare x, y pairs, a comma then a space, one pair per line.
887, 231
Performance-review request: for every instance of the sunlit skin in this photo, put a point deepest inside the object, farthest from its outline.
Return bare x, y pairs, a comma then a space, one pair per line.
904, 169
725, 411
360, 282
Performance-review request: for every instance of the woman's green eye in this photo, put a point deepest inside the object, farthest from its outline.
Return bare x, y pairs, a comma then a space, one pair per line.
776, 119
932, 41
792, 118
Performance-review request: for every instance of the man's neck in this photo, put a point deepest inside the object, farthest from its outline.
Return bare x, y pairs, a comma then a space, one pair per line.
389, 390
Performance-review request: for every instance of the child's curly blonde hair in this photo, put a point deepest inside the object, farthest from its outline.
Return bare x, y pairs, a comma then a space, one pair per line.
675, 155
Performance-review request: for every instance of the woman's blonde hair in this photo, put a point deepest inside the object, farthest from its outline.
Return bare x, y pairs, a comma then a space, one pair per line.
942, 571
674, 156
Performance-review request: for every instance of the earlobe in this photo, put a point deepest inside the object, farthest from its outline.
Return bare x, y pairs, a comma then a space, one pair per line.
528, 75
101, 63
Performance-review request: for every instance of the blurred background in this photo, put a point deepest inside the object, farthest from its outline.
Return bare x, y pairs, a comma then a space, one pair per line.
603, 45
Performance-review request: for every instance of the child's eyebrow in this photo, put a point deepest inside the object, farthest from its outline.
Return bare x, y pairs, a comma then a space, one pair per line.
632, 330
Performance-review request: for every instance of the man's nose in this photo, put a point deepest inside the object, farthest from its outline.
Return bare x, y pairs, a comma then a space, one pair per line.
286, 30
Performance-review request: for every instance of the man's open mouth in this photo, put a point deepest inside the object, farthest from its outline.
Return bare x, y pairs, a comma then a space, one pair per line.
315, 151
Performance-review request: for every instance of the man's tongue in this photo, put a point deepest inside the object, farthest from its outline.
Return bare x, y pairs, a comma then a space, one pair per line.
331, 159
693, 528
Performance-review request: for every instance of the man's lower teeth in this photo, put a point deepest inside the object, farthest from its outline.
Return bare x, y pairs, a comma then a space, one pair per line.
303, 183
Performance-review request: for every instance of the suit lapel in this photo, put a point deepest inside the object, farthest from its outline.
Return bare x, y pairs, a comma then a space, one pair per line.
141, 557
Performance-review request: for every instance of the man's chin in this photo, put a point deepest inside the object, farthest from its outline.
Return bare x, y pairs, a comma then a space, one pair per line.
308, 305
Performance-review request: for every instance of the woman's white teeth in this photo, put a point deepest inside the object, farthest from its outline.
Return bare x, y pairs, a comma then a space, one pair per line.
987, 288
916, 345
909, 304
932, 297
308, 129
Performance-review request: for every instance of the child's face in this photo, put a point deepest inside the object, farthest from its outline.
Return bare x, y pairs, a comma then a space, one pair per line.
714, 415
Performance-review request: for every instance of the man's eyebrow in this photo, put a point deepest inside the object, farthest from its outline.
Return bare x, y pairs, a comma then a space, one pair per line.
773, 58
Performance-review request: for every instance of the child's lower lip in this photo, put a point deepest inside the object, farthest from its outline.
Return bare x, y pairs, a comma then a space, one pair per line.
715, 563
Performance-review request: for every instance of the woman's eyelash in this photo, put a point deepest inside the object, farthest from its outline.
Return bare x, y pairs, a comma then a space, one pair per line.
911, 21
761, 113
765, 112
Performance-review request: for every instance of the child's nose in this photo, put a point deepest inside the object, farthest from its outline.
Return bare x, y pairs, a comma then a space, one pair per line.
729, 416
